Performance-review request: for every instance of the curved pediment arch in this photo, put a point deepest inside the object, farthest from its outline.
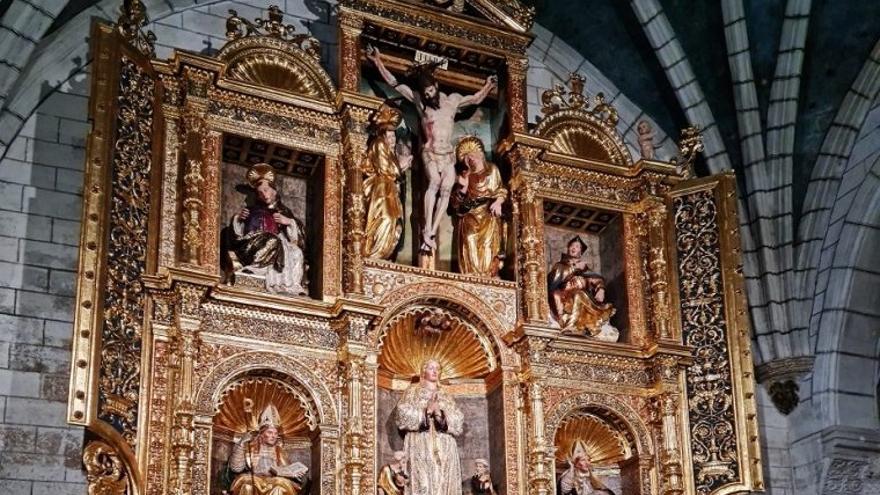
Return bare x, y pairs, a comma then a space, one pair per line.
269, 55
577, 129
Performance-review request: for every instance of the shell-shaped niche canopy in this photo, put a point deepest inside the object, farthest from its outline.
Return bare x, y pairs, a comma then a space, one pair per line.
603, 445
269, 54
245, 400
423, 333
578, 129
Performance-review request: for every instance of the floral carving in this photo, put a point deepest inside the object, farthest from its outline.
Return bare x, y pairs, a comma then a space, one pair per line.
124, 295
709, 382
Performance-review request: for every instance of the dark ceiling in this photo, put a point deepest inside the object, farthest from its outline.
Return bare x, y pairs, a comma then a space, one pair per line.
840, 38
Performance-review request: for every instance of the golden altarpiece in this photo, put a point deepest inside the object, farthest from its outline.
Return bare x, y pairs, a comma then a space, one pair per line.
175, 353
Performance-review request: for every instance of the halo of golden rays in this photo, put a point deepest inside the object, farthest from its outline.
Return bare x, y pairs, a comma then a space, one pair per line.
604, 445
460, 349
243, 401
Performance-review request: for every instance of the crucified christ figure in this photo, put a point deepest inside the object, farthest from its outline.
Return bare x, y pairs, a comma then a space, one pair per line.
436, 116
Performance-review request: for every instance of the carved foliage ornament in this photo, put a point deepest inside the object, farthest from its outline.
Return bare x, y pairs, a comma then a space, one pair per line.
709, 380
238, 27
124, 295
132, 17
105, 471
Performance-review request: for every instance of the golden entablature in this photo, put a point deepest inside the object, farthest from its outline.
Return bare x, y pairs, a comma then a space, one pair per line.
184, 342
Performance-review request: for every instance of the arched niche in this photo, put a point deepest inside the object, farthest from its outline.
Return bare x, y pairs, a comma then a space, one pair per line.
310, 420
616, 439
471, 361
238, 414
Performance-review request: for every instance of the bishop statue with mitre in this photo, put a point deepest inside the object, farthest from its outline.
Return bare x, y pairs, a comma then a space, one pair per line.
259, 461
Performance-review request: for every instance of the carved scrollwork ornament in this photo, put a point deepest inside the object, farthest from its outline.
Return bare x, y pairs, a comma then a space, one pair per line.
273, 25
132, 18
690, 145
105, 471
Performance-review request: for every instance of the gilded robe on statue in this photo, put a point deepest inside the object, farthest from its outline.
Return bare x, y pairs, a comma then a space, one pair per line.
431, 450
577, 295
478, 203
392, 477
260, 463
382, 169
267, 240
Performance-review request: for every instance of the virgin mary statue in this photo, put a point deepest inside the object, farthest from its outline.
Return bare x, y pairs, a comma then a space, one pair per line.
430, 421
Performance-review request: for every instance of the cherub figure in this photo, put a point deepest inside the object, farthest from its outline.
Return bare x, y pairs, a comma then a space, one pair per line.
646, 139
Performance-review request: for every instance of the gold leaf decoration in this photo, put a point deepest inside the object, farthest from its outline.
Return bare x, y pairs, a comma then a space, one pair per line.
603, 444
243, 402
461, 351
274, 70
580, 142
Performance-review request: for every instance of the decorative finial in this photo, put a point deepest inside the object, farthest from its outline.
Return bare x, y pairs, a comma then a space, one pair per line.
575, 98
132, 17
689, 146
238, 27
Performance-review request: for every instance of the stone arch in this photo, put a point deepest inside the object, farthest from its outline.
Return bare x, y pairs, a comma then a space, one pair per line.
448, 296
210, 390
849, 323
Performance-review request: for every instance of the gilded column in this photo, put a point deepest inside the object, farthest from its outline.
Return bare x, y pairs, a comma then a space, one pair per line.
539, 478
354, 434
517, 101
354, 142
212, 144
528, 211
194, 129
634, 240
349, 50
657, 269
182, 430
670, 453
170, 180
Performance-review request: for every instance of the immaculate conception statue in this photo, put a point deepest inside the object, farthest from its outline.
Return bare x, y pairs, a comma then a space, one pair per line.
437, 116
267, 240
431, 421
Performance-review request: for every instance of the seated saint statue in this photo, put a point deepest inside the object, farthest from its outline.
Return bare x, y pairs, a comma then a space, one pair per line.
267, 241
392, 476
478, 198
430, 421
579, 478
577, 295
481, 481
382, 167
259, 462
